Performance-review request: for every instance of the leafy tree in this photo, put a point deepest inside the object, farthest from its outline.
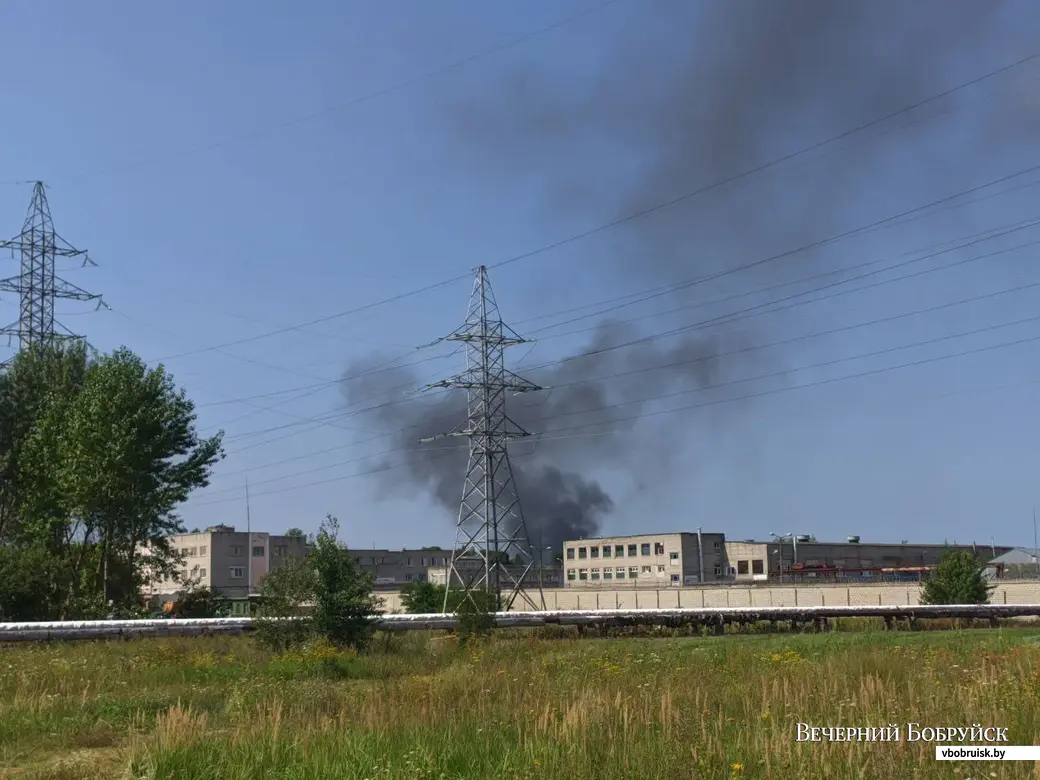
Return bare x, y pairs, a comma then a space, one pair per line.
125, 454
326, 594
957, 579
343, 601
422, 598
96, 453
295, 533
31, 580
38, 378
286, 600
195, 600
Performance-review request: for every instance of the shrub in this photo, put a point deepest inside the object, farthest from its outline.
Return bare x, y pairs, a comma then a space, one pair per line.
343, 601
324, 595
957, 579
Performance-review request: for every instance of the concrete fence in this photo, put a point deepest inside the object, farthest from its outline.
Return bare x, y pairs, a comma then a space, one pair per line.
752, 597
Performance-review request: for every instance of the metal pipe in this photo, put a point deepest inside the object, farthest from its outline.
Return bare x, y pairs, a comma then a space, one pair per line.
95, 629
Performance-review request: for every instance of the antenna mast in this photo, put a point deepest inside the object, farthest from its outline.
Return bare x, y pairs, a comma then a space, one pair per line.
490, 529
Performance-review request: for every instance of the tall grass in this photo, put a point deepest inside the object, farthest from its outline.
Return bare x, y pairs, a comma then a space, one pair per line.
514, 707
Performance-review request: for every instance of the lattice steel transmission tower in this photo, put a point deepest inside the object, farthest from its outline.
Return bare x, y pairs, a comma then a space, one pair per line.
491, 526
37, 284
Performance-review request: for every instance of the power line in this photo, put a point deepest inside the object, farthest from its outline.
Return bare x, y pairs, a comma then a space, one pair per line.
372, 95
555, 435
728, 318
675, 364
635, 215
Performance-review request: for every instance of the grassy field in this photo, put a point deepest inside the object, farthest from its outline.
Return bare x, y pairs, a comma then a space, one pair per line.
516, 706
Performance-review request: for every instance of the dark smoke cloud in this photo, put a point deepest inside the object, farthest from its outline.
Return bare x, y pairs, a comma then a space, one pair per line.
692, 94
559, 501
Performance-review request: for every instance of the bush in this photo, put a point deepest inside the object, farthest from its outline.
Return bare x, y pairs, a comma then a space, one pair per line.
198, 601
422, 598
323, 595
343, 601
957, 579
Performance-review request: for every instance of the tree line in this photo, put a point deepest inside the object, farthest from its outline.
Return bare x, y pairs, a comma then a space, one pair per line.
97, 451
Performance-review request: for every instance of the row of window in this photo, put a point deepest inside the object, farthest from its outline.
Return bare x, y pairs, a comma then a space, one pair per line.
618, 573
372, 560
618, 551
237, 551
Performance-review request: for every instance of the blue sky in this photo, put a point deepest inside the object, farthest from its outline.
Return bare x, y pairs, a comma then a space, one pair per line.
239, 168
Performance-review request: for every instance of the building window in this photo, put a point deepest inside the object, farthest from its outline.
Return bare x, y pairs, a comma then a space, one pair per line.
633, 572
646, 570
595, 574
620, 573
673, 557
582, 553
583, 574
632, 551
237, 572
236, 550
675, 579
570, 574
570, 553
660, 568
742, 567
202, 550
258, 551
644, 549
606, 551
732, 571
758, 566
407, 561
202, 572
607, 574
718, 571
408, 576
594, 552
717, 544
619, 551
658, 548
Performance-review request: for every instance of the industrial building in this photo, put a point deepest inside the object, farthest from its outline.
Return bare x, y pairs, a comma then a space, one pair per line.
682, 559
227, 561
660, 559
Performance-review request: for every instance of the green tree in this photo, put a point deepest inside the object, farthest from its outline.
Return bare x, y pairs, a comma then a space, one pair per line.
422, 598
343, 601
38, 378
957, 579
295, 533
96, 453
195, 600
283, 618
325, 594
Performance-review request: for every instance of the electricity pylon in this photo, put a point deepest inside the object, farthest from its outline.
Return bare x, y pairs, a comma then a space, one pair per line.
37, 284
491, 529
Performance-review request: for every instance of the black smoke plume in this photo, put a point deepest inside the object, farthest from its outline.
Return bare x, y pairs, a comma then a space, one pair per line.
685, 95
